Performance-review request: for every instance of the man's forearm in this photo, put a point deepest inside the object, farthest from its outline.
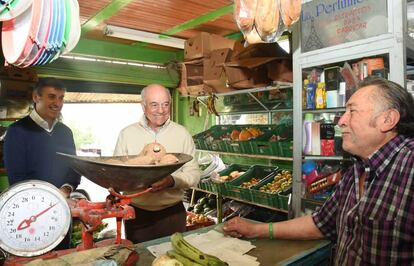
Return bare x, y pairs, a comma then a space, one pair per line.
300, 228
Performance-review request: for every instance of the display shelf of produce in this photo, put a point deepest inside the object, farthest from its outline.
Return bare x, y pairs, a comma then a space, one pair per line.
325, 110
249, 155
240, 200
2, 171
254, 100
276, 85
257, 112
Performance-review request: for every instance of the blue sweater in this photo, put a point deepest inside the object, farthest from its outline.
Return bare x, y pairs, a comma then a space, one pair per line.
30, 153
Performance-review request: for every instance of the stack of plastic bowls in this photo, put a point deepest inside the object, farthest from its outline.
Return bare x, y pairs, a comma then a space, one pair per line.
37, 32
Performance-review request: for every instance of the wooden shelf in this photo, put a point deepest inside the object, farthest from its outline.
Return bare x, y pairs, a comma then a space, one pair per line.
250, 155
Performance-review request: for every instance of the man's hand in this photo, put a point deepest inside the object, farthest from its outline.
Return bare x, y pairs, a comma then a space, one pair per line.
65, 191
239, 227
72, 203
166, 182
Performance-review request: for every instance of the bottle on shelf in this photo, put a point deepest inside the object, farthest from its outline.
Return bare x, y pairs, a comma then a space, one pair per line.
310, 95
309, 170
305, 84
307, 127
342, 94
320, 96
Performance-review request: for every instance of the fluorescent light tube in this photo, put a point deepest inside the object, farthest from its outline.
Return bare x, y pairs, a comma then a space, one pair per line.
142, 36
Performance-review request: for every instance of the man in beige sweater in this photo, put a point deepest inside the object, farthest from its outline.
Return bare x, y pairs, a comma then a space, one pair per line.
160, 212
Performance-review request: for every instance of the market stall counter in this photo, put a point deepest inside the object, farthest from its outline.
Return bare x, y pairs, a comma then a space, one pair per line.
268, 252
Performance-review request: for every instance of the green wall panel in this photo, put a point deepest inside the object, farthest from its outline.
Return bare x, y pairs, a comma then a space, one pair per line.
194, 124
107, 72
125, 52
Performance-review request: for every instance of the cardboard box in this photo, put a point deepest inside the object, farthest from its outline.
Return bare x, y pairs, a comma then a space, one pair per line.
16, 89
242, 77
258, 50
202, 44
205, 75
214, 75
280, 70
192, 69
248, 72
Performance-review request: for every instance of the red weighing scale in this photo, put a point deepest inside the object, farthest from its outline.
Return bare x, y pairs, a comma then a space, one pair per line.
35, 217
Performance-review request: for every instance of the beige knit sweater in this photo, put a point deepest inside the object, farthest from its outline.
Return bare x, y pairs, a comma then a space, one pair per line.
176, 139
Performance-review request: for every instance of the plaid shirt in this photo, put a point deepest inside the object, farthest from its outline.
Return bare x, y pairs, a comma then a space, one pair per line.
377, 229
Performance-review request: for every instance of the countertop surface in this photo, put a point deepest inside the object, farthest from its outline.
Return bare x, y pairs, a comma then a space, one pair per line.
268, 252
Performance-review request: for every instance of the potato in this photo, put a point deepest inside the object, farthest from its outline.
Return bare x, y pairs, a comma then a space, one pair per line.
156, 150
140, 160
168, 159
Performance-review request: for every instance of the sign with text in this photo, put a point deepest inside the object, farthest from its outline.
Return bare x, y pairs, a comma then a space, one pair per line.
330, 22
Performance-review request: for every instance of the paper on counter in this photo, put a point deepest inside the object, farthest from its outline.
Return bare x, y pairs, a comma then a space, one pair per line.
229, 249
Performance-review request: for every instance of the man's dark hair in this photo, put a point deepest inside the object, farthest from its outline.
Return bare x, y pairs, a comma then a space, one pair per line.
48, 82
394, 96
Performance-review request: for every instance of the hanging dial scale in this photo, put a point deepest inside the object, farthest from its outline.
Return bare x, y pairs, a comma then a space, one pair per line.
34, 218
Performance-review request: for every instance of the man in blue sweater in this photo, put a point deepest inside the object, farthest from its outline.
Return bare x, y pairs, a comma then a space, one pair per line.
32, 142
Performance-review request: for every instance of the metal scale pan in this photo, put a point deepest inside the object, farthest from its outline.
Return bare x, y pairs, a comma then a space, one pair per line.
122, 177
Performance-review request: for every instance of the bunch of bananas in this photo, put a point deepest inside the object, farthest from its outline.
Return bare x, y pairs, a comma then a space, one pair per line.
211, 107
189, 255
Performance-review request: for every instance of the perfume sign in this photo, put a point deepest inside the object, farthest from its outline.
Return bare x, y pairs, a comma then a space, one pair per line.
326, 23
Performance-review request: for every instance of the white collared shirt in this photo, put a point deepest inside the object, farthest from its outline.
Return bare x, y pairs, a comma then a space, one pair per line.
144, 122
41, 122
45, 125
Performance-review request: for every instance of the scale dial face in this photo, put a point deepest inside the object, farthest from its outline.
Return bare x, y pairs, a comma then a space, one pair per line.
34, 218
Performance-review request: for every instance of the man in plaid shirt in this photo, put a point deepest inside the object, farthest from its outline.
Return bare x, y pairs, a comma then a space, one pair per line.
370, 215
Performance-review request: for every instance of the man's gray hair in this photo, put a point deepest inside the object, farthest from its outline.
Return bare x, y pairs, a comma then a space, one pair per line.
392, 95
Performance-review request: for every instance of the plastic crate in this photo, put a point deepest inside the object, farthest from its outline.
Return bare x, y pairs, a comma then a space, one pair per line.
264, 198
258, 171
218, 188
237, 146
279, 98
222, 187
211, 138
245, 146
277, 200
263, 144
286, 148
200, 143
283, 199
202, 185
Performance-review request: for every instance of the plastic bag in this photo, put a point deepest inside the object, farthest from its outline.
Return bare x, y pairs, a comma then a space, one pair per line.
252, 37
244, 14
267, 20
290, 11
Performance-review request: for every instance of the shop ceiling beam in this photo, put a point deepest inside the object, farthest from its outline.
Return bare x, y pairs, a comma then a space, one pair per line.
105, 13
192, 23
234, 36
126, 52
199, 20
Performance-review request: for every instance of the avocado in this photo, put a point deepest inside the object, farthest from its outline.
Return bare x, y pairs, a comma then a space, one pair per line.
202, 201
211, 203
198, 208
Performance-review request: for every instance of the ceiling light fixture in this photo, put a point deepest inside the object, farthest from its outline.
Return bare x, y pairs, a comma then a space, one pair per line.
142, 36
